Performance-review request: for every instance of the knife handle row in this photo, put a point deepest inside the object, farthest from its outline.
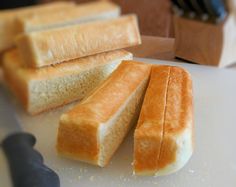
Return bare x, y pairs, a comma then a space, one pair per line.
214, 10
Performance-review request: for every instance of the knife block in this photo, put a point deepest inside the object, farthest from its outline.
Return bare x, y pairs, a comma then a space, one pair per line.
206, 43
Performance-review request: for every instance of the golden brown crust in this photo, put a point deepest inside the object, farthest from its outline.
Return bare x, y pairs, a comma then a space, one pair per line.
18, 87
80, 11
179, 106
178, 114
58, 45
149, 131
83, 137
165, 118
70, 67
7, 20
98, 105
83, 122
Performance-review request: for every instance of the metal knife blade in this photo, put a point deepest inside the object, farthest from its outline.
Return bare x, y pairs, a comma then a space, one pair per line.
9, 123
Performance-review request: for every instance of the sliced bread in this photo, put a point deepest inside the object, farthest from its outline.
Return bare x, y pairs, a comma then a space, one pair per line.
46, 88
93, 130
163, 140
8, 29
81, 13
54, 46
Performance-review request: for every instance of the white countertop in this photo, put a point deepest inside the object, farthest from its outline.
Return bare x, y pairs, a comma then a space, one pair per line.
214, 160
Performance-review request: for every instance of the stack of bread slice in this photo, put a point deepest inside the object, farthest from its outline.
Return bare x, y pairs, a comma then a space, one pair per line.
63, 54
8, 18
50, 15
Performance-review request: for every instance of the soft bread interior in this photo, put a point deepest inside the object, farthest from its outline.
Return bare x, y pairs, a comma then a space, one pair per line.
113, 132
50, 87
61, 90
93, 130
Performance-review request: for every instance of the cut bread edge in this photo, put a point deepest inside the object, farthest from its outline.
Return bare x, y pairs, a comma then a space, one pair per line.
25, 83
40, 49
109, 133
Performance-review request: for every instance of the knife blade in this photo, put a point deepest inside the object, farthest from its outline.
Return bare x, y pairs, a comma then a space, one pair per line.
26, 164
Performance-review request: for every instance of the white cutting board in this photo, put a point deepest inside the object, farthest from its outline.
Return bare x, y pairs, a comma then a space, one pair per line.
213, 163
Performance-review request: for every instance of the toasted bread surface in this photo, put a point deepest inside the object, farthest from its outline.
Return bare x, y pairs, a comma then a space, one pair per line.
78, 14
8, 30
93, 130
54, 46
163, 137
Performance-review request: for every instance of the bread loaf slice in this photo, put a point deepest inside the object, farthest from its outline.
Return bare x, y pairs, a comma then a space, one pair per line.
54, 46
46, 88
81, 13
8, 29
163, 140
93, 130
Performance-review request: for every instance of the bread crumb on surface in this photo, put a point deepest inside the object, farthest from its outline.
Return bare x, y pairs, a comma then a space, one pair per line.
91, 178
191, 171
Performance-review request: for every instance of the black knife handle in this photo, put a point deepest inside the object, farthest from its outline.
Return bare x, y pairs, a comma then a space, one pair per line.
26, 164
